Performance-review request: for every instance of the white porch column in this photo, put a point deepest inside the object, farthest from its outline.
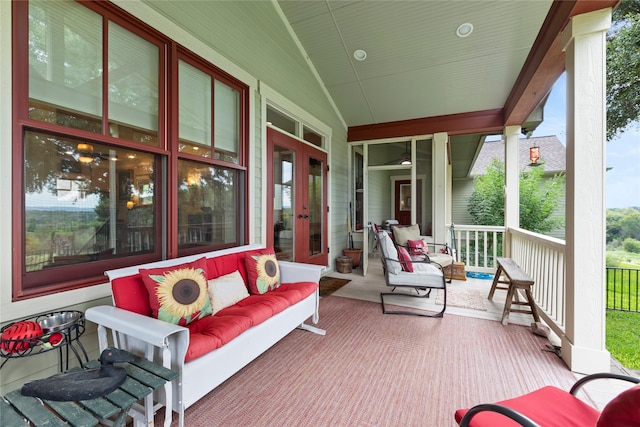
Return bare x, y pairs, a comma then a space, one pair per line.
584, 40
441, 187
512, 181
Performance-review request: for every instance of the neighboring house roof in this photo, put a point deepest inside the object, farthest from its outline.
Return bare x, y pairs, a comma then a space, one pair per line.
552, 153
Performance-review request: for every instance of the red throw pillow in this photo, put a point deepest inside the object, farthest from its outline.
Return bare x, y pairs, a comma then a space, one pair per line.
178, 294
263, 271
623, 410
405, 259
417, 247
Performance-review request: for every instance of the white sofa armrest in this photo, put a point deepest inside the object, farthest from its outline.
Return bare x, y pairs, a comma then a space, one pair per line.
147, 329
292, 272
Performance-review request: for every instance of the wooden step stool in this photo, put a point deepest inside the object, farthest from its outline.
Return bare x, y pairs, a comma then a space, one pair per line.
516, 278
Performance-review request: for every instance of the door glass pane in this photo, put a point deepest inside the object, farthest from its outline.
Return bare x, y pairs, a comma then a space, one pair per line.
283, 203
85, 202
227, 123
194, 89
207, 205
424, 170
133, 86
65, 65
315, 206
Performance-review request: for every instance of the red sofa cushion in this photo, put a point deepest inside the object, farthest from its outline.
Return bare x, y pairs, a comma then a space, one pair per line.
548, 406
226, 264
129, 293
212, 332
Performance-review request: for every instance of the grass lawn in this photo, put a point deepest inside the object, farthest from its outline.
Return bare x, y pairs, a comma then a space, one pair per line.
623, 337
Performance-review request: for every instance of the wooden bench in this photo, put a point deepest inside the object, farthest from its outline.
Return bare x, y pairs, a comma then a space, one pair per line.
516, 279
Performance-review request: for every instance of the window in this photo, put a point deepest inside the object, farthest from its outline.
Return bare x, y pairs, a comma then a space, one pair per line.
101, 177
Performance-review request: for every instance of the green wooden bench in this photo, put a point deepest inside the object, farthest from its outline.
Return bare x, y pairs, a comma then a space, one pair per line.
143, 377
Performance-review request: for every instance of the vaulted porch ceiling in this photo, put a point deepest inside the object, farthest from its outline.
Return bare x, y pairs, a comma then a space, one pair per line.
419, 77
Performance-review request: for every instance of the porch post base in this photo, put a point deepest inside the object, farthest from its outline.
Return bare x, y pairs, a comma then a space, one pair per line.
585, 360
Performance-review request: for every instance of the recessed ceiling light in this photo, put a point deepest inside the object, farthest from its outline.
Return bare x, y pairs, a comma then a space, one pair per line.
360, 55
464, 29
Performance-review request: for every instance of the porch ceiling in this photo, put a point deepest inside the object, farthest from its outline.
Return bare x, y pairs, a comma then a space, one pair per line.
419, 77
416, 66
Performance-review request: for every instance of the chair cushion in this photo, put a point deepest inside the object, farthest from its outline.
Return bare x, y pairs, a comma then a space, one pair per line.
623, 410
405, 259
548, 406
403, 233
417, 279
392, 264
442, 259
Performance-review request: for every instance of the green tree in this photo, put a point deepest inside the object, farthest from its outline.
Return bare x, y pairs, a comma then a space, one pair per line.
630, 226
623, 68
538, 201
631, 245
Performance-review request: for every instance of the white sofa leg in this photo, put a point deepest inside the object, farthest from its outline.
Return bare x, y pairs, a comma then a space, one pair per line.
313, 329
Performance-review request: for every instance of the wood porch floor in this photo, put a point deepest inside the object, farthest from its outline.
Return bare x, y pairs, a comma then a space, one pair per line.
368, 288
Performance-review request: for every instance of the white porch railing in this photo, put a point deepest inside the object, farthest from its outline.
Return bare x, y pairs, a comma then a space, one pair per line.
540, 256
543, 258
478, 246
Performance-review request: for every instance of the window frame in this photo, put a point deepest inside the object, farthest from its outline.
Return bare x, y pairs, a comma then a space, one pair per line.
166, 152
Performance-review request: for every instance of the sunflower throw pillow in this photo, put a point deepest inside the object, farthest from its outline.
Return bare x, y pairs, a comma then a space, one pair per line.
263, 271
178, 294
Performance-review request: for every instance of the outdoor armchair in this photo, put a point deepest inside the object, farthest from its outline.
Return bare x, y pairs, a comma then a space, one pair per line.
400, 271
551, 406
440, 253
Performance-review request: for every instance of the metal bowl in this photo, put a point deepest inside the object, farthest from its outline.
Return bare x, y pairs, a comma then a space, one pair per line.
59, 321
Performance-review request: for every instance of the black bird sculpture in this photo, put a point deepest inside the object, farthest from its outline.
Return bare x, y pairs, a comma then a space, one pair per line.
85, 384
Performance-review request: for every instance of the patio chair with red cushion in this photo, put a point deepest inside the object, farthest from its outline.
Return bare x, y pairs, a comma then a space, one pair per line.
553, 407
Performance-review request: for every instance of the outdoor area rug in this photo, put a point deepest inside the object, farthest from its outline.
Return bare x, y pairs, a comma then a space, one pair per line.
373, 369
464, 298
329, 285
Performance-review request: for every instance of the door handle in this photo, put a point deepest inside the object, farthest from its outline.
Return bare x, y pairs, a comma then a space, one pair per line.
301, 216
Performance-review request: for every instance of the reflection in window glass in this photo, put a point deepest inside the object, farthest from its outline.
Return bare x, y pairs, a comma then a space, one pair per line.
390, 154
85, 202
281, 121
65, 65
311, 136
194, 110
207, 205
133, 86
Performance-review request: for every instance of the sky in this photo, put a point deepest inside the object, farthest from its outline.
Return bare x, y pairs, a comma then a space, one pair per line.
622, 156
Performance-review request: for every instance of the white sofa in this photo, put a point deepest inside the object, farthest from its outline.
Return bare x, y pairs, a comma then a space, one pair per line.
166, 344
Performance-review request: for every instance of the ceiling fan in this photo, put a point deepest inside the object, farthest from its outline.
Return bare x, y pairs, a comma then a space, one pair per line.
405, 158
86, 155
